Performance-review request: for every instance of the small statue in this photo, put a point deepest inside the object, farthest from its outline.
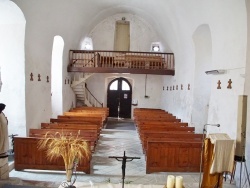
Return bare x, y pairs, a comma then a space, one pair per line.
4, 143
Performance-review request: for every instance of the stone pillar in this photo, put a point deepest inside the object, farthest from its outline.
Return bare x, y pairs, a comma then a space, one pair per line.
4, 168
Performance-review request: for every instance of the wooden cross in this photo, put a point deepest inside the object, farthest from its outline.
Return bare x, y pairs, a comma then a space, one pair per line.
31, 76
39, 77
219, 83
229, 84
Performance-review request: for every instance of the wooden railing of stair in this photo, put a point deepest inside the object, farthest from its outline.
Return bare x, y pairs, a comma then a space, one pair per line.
121, 62
91, 98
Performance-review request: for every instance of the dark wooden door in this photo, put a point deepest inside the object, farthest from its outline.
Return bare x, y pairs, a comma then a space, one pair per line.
119, 98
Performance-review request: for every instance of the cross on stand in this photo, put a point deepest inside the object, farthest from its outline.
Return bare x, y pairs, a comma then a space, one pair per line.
124, 159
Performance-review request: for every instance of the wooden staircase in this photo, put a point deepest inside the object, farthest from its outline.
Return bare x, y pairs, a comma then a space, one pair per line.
83, 95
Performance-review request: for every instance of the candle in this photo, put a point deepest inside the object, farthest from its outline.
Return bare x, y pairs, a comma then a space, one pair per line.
170, 181
179, 182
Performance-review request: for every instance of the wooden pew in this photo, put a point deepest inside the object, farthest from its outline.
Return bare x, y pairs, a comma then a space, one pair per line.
168, 145
169, 126
160, 123
89, 135
83, 114
66, 120
71, 126
141, 111
78, 119
143, 131
157, 120
91, 110
163, 136
173, 155
27, 156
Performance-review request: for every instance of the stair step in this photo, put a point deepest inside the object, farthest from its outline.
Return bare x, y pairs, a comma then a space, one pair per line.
81, 90
79, 95
79, 86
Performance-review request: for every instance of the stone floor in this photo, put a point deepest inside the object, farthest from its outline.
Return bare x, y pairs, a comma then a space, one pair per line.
112, 142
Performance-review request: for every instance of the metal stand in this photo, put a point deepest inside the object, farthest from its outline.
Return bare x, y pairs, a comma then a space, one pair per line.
124, 159
241, 160
12, 136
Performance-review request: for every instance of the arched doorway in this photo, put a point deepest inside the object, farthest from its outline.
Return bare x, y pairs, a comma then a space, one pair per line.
119, 97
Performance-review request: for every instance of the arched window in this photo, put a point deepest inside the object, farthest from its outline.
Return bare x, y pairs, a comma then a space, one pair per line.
87, 44
114, 85
56, 76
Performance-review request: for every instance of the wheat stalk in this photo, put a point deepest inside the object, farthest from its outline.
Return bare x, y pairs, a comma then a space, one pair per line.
69, 147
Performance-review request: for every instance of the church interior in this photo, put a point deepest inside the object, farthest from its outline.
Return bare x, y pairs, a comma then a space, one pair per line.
171, 62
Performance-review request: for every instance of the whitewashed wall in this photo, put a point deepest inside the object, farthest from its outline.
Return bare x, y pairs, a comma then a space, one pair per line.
142, 34
98, 85
12, 63
224, 56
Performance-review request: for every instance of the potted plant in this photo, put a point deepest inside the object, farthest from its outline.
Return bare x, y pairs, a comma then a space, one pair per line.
71, 148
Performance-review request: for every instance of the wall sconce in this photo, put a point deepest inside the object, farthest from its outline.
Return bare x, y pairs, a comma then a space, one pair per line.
214, 72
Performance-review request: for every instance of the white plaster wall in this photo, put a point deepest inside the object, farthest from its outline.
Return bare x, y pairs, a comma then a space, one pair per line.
224, 33
98, 84
141, 33
12, 32
46, 19
202, 82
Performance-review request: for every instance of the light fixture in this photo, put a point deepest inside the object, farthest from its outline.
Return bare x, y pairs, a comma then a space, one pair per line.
155, 48
219, 71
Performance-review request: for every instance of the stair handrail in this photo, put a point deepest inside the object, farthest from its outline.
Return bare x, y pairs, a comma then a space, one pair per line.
96, 100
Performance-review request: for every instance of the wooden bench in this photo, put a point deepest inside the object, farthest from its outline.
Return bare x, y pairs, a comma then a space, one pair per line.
164, 126
169, 146
71, 126
105, 110
164, 129
84, 114
160, 123
89, 135
27, 156
79, 119
182, 155
66, 120
163, 136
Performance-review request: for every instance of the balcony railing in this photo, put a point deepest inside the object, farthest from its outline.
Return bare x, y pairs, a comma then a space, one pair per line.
121, 62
